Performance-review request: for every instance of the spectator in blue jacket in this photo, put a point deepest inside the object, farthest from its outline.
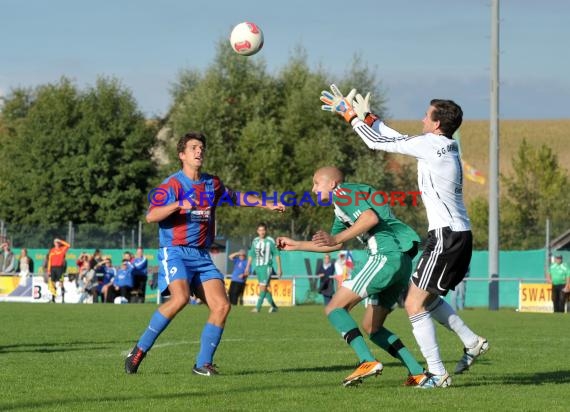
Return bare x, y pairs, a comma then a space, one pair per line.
237, 284
140, 273
123, 281
109, 273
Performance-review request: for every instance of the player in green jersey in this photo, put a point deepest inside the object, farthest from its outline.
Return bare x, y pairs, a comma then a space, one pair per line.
391, 246
559, 277
263, 250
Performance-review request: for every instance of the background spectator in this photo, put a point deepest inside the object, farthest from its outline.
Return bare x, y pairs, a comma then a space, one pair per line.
7, 261
237, 284
122, 283
25, 266
98, 265
88, 282
325, 272
128, 256
82, 264
559, 278
108, 275
457, 296
140, 275
96, 259
340, 269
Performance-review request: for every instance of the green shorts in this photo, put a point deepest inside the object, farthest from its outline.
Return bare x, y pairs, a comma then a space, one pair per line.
263, 274
382, 278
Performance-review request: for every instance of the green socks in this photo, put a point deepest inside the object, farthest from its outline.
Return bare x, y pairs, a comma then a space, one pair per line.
260, 300
269, 298
394, 346
347, 327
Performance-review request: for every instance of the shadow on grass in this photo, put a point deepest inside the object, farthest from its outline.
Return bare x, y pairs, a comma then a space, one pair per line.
328, 368
48, 347
66, 403
538, 378
141, 396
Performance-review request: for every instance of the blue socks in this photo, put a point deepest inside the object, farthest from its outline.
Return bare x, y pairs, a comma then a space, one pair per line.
157, 324
211, 336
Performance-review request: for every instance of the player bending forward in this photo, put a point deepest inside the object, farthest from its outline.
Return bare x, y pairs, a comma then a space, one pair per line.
391, 246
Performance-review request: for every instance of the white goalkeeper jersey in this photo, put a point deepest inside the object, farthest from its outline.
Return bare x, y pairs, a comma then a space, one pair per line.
440, 174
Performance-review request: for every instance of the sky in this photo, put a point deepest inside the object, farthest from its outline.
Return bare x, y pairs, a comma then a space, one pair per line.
418, 49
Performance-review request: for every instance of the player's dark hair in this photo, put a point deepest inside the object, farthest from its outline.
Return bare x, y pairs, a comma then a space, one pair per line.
262, 224
449, 115
181, 146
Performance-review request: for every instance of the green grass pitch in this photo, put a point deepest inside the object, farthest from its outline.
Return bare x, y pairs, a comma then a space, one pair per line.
70, 357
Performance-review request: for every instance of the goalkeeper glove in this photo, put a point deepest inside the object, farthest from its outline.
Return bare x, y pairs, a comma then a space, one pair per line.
361, 106
339, 104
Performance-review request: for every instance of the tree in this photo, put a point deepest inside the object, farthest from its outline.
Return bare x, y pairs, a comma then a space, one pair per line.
479, 216
537, 190
74, 155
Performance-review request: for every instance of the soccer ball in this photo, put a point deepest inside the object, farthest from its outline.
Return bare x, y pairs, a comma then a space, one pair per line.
246, 38
120, 300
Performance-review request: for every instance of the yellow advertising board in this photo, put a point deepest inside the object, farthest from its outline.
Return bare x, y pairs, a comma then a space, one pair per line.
8, 284
535, 297
281, 289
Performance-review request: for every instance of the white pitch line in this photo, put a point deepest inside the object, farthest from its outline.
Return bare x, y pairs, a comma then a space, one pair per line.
182, 342
256, 339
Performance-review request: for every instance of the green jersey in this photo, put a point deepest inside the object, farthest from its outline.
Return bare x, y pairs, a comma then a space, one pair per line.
263, 250
350, 200
559, 273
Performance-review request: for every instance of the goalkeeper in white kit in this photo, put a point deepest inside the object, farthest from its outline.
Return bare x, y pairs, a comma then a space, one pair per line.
447, 254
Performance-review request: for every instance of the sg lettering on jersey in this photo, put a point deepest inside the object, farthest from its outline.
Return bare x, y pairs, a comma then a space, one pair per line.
452, 147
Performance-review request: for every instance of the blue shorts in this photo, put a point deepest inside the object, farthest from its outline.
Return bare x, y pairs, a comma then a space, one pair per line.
183, 262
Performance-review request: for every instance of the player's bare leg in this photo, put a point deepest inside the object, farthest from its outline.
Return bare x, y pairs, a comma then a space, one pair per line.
213, 294
179, 297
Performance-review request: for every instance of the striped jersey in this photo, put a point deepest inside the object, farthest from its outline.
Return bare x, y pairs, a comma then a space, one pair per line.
193, 228
440, 174
350, 200
263, 250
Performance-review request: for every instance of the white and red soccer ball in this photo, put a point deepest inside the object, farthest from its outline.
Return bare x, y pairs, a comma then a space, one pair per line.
246, 38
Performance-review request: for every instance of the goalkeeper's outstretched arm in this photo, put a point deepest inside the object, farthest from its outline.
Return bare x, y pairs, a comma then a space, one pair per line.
355, 109
381, 137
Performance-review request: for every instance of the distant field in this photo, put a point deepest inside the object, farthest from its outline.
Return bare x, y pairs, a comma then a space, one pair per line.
475, 143
70, 358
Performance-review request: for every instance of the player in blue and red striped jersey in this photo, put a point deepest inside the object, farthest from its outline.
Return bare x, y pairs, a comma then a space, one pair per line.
184, 206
